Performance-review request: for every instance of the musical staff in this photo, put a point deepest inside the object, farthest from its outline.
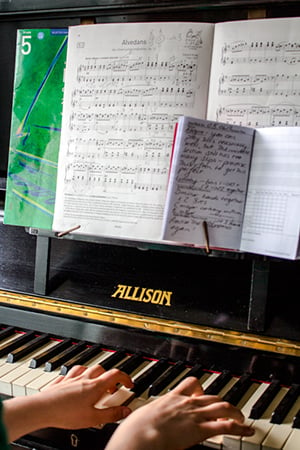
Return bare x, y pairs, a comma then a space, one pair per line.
280, 85
256, 52
260, 116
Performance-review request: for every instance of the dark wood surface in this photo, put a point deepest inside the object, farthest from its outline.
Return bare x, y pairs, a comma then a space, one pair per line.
207, 291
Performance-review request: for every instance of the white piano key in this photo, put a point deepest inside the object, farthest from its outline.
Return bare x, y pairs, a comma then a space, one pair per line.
137, 402
231, 442
216, 442
45, 378
145, 365
6, 341
262, 426
227, 387
11, 371
293, 442
279, 433
207, 379
20, 383
38, 383
174, 382
27, 383
124, 394
254, 393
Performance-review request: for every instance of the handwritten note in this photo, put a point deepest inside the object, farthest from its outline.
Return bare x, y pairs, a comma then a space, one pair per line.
208, 181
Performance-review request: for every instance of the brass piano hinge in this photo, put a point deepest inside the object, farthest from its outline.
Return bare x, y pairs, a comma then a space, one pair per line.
171, 327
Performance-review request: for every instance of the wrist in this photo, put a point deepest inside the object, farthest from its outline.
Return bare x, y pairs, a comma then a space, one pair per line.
22, 415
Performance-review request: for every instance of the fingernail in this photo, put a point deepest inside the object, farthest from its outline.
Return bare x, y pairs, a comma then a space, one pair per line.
250, 431
126, 412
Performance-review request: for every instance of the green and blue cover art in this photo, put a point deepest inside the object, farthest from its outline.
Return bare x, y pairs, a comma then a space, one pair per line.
35, 127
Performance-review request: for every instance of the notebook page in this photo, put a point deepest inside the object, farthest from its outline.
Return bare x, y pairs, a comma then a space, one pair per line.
272, 213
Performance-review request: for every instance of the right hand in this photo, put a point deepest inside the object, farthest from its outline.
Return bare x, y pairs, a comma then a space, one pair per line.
178, 420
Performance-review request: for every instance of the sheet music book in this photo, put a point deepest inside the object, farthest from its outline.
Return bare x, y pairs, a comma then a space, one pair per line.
35, 127
126, 85
244, 183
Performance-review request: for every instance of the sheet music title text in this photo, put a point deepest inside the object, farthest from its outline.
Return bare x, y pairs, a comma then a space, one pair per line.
134, 42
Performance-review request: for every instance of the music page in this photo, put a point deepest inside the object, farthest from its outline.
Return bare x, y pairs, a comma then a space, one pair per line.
125, 87
272, 213
255, 76
208, 182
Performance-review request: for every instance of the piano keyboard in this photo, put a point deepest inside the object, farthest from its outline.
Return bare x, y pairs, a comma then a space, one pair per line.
29, 361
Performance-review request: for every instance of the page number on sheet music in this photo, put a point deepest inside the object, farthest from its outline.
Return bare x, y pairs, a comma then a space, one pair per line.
26, 44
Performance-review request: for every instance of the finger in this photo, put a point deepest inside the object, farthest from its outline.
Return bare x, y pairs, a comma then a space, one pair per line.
75, 371
113, 414
205, 400
219, 410
113, 377
94, 371
55, 381
227, 427
189, 386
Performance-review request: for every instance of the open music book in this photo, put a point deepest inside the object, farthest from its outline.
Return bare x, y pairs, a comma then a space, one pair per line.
244, 183
125, 86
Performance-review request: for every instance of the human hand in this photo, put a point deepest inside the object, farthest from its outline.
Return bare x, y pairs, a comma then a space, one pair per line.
178, 420
76, 394
67, 403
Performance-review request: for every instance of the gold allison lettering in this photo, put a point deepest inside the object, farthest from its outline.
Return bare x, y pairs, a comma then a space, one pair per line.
142, 294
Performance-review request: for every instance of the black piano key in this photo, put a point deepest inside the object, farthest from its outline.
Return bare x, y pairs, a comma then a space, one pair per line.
166, 378
82, 357
113, 359
64, 356
286, 403
10, 346
131, 364
6, 332
238, 390
296, 420
146, 379
27, 348
196, 371
218, 384
264, 401
43, 357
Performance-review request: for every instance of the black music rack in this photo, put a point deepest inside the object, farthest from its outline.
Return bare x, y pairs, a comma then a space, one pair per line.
260, 267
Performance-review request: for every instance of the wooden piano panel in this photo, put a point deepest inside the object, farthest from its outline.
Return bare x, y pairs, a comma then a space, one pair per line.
206, 291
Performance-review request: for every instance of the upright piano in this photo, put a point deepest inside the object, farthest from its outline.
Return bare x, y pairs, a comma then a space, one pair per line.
230, 319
